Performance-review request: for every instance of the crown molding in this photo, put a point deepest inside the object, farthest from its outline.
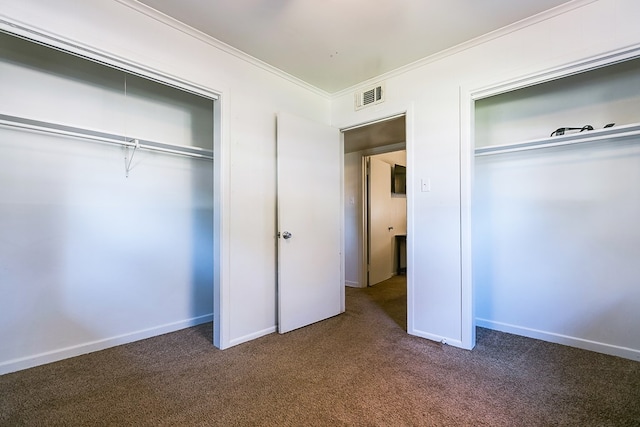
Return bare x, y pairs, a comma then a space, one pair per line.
211, 41
501, 32
16, 27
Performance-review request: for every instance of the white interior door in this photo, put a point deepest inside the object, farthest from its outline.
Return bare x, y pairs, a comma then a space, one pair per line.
381, 233
310, 285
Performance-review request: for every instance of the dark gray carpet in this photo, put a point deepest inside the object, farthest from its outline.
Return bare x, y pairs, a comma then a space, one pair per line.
359, 368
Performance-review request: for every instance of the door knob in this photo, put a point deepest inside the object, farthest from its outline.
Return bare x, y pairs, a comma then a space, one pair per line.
286, 235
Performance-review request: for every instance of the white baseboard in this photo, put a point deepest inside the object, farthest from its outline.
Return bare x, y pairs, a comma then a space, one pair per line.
613, 350
89, 347
437, 338
352, 284
252, 336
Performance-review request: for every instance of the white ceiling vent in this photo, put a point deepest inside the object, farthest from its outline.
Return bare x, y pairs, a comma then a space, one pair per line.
369, 96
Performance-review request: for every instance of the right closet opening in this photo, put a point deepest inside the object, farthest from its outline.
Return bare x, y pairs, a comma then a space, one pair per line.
555, 231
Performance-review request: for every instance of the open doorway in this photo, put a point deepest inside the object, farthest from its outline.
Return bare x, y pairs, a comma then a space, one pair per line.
375, 235
385, 202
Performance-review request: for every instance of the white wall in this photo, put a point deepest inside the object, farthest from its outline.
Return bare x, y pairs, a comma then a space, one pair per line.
430, 92
251, 97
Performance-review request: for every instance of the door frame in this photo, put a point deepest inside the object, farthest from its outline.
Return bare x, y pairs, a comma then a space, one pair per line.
409, 115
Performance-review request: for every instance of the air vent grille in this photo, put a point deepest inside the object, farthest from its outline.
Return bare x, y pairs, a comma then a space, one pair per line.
369, 96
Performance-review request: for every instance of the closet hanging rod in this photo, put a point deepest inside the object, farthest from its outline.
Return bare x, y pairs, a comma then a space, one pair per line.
618, 132
103, 137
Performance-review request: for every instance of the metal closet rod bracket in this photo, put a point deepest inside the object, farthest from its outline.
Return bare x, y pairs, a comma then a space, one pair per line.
127, 163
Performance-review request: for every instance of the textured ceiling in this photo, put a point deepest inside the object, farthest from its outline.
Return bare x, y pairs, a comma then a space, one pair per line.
335, 44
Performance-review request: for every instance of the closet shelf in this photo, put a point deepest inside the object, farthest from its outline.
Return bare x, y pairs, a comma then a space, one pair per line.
616, 132
9, 121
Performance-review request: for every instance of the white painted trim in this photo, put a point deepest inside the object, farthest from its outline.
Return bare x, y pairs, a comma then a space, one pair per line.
252, 336
222, 218
91, 135
342, 226
89, 347
501, 32
439, 338
352, 284
614, 350
364, 224
35, 34
608, 134
205, 38
466, 153
565, 70
411, 196
373, 122
56, 41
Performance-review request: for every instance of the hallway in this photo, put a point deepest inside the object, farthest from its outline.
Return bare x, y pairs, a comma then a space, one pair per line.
391, 296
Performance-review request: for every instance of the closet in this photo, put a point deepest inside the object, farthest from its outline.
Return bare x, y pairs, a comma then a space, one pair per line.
106, 205
556, 239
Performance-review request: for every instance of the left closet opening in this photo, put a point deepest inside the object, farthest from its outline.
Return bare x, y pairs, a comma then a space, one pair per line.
106, 205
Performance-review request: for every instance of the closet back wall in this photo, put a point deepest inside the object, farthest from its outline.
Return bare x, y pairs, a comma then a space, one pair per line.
88, 257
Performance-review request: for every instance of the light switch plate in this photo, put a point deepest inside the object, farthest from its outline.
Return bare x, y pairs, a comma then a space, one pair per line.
425, 185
